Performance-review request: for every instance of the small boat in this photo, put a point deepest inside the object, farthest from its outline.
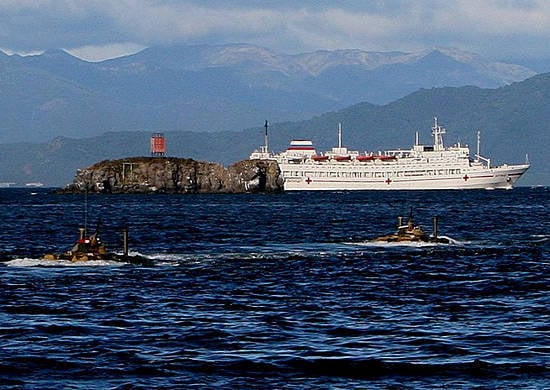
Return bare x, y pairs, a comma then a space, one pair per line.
319, 158
386, 158
365, 158
342, 158
413, 233
89, 248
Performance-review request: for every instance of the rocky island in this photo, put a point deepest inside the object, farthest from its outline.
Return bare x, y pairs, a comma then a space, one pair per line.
176, 175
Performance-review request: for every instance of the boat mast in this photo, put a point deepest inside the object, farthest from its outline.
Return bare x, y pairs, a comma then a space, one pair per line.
266, 125
437, 132
478, 155
339, 135
85, 211
125, 240
478, 145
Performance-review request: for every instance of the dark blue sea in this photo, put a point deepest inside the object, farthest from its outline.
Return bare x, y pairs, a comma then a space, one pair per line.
277, 291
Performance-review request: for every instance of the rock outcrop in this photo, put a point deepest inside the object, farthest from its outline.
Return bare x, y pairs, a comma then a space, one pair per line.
176, 175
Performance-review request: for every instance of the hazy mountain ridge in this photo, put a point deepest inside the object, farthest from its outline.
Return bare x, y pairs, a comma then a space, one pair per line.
214, 88
314, 63
514, 121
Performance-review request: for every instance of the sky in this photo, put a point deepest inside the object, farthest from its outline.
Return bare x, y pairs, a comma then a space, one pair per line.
100, 29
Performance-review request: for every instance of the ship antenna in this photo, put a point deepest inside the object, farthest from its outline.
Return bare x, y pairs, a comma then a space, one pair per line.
437, 132
266, 125
478, 145
340, 135
124, 238
86, 209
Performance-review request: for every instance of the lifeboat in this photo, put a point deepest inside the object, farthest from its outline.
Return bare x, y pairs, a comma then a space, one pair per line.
365, 158
342, 158
319, 158
386, 158
373, 157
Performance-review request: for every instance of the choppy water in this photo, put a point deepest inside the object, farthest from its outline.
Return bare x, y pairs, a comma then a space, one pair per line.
278, 291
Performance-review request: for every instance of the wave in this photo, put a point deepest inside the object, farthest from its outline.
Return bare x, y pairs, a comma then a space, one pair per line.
209, 252
32, 262
540, 238
376, 367
50, 372
367, 368
412, 244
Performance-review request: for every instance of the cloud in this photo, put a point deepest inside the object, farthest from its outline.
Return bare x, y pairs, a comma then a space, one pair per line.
165, 22
42, 24
497, 27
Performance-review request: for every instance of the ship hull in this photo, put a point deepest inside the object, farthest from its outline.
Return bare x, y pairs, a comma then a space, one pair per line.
311, 177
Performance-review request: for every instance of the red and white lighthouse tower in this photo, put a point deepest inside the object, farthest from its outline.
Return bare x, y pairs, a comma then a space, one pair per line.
158, 145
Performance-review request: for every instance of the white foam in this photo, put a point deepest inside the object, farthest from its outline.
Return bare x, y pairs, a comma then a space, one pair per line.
412, 244
29, 262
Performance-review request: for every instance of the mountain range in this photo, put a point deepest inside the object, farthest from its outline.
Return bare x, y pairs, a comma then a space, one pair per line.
514, 121
217, 88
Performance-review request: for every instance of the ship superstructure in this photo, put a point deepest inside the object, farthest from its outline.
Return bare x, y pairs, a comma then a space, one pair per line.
422, 167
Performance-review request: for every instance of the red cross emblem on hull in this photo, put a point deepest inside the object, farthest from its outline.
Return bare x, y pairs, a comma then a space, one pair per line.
388, 181
308, 180
466, 177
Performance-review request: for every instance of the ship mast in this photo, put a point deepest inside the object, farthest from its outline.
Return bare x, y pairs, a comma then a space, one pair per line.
478, 155
339, 135
437, 132
478, 144
265, 139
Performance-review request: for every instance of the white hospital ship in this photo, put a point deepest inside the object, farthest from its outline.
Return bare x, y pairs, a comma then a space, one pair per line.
423, 167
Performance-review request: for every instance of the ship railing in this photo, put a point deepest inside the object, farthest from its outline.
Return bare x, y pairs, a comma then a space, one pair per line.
399, 152
261, 155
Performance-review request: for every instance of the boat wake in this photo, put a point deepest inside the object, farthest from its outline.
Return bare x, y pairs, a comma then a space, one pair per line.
413, 244
269, 252
41, 262
30, 262
252, 253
